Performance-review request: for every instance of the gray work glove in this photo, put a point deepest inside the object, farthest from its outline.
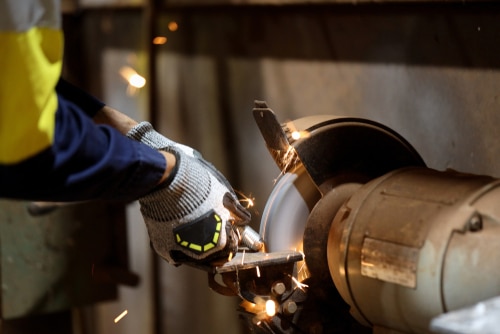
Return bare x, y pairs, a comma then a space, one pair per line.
191, 216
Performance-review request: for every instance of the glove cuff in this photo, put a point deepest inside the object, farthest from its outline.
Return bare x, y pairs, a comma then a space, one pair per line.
146, 134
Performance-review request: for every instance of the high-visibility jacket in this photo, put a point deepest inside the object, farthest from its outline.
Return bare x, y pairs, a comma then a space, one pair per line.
50, 149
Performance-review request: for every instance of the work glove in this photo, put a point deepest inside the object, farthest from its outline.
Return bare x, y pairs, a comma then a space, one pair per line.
192, 216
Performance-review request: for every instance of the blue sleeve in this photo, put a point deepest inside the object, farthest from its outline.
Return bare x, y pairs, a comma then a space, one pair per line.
85, 162
87, 103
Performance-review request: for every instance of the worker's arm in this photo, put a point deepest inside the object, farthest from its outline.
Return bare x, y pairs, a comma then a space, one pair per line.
105, 115
190, 216
84, 161
123, 123
114, 118
50, 149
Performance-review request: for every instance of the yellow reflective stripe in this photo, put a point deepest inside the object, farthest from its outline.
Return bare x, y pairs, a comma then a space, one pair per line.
208, 246
31, 66
195, 247
216, 237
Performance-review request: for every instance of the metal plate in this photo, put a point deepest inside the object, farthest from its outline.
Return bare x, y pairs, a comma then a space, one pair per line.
242, 261
389, 262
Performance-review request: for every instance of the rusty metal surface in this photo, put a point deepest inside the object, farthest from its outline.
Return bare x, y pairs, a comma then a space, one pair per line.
389, 262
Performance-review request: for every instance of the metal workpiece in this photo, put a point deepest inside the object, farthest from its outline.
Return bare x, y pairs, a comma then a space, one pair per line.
400, 250
252, 260
250, 238
265, 282
246, 270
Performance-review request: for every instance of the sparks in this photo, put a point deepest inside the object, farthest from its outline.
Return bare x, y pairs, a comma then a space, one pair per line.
118, 318
258, 271
270, 308
299, 285
289, 160
159, 40
132, 77
173, 26
247, 201
237, 230
289, 157
135, 81
301, 267
295, 133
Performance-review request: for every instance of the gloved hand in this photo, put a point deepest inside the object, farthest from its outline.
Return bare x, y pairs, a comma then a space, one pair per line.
190, 217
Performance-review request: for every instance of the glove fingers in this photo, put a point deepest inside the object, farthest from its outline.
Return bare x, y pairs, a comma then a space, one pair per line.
218, 175
233, 205
230, 200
